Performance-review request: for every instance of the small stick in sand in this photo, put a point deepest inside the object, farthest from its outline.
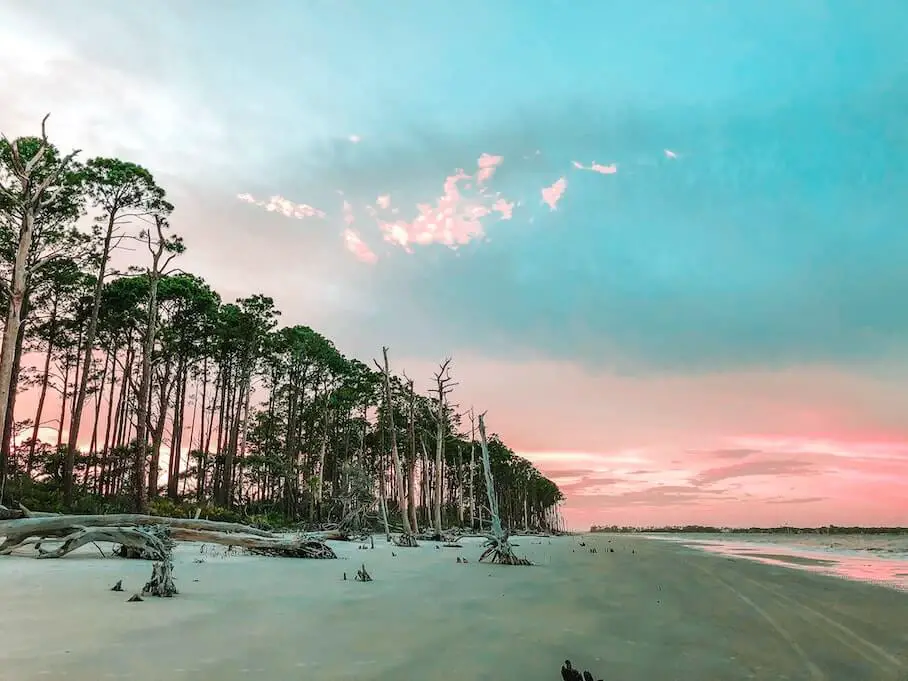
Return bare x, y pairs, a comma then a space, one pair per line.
362, 575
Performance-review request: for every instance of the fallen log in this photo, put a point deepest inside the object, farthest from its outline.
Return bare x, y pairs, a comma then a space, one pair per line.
156, 542
63, 525
142, 541
295, 547
326, 535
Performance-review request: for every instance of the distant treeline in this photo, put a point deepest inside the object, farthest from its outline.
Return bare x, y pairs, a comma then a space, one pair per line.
706, 529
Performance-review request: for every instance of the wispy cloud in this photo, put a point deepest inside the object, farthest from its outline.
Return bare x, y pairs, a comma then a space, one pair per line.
286, 207
609, 169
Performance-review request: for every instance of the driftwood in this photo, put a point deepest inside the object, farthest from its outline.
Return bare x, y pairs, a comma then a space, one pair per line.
297, 547
161, 582
59, 522
498, 549
405, 540
150, 537
361, 575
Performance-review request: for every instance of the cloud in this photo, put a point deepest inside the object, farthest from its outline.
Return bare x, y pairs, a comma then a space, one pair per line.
726, 453
795, 500
355, 245
102, 109
660, 496
771, 467
286, 207
552, 194
454, 218
610, 169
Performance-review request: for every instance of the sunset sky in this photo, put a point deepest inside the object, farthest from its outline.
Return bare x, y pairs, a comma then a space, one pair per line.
661, 240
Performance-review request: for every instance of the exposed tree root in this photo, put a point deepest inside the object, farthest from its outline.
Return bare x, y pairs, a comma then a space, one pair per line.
498, 549
161, 582
502, 552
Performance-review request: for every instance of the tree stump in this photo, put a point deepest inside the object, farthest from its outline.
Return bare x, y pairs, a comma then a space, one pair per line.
161, 582
362, 575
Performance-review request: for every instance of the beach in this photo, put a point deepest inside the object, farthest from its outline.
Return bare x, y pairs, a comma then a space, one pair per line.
649, 611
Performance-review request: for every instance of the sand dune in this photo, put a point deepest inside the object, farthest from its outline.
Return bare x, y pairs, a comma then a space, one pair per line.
649, 611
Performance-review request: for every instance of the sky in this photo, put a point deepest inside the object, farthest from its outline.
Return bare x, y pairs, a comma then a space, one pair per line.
661, 243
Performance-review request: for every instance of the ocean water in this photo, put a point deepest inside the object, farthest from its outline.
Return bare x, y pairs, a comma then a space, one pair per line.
875, 558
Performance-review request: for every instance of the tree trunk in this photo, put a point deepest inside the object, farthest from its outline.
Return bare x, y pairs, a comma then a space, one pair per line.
45, 380
395, 457
472, 471
176, 443
140, 460
157, 436
18, 291
439, 458
9, 435
497, 547
75, 419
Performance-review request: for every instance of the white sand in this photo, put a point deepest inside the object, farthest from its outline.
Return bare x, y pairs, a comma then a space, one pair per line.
241, 615
650, 610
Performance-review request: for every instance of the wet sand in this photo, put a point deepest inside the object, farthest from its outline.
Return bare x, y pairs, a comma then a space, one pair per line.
664, 612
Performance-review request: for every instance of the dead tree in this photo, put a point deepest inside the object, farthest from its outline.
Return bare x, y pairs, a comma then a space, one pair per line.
472, 469
161, 582
30, 185
498, 549
411, 454
138, 537
443, 386
407, 539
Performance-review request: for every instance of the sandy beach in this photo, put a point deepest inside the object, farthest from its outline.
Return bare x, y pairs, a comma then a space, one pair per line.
650, 611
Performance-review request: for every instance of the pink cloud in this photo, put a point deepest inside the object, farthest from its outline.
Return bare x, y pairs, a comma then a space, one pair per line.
286, 207
670, 154
357, 247
552, 195
454, 218
487, 165
610, 169
505, 208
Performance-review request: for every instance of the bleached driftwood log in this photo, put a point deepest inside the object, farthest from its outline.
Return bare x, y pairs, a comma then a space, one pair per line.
497, 546
42, 524
150, 536
303, 546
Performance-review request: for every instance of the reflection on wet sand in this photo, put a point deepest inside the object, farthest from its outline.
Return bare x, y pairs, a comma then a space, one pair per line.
841, 556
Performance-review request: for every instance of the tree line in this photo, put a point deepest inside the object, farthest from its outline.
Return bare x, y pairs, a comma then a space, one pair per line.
154, 394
